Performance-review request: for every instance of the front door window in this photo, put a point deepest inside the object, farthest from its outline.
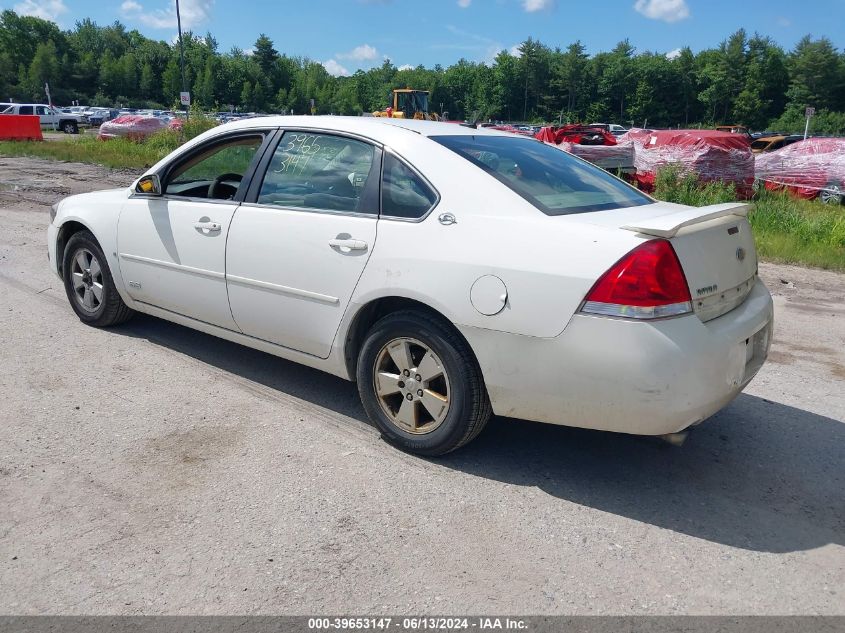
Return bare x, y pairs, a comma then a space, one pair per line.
215, 173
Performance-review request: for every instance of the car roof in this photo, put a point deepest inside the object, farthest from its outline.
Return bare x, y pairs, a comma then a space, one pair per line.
377, 128
776, 137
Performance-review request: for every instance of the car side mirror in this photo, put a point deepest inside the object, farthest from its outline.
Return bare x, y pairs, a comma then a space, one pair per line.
149, 185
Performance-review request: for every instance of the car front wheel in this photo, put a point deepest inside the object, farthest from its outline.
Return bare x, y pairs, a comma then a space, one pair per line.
69, 127
421, 385
89, 285
832, 193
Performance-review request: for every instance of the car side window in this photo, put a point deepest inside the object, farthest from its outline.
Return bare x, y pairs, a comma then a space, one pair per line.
214, 171
319, 171
403, 193
25, 110
41, 110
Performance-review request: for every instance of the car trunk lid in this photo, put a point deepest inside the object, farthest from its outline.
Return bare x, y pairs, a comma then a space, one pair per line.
715, 247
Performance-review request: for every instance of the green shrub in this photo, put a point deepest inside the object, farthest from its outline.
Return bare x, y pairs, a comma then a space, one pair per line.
671, 184
196, 125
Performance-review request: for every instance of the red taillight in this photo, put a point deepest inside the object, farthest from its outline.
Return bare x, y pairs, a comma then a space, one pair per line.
647, 283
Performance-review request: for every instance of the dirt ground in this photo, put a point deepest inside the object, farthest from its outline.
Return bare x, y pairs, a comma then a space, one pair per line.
153, 469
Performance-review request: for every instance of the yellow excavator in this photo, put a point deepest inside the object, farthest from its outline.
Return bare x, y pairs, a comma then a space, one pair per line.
408, 104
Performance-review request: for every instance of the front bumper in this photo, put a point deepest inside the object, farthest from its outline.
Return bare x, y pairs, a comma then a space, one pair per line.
52, 235
646, 378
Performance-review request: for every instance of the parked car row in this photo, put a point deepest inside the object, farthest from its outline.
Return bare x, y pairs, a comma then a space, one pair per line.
73, 118
50, 117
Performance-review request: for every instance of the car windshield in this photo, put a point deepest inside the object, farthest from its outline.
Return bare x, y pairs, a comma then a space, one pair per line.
553, 181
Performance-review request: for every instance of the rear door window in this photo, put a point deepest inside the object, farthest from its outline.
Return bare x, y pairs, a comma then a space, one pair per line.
25, 110
404, 194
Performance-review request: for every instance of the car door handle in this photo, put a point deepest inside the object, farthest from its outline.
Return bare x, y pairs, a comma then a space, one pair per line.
208, 226
352, 245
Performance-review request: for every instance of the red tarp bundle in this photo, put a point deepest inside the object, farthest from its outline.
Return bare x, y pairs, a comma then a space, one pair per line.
804, 168
612, 155
131, 126
713, 155
576, 134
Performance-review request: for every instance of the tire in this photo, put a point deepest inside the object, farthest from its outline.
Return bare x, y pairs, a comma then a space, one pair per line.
457, 393
85, 270
832, 193
70, 127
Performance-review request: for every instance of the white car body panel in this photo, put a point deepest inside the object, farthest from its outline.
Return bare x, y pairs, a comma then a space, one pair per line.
648, 388
168, 262
292, 294
287, 284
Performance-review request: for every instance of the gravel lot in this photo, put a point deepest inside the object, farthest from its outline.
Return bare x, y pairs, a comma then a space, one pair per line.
152, 469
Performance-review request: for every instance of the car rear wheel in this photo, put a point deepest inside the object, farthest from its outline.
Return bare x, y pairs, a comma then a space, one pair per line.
832, 193
70, 127
421, 385
89, 285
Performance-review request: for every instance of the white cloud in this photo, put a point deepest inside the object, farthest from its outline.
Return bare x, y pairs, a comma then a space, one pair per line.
406, 67
666, 10
532, 6
784, 21
363, 53
514, 50
44, 9
192, 12
673, 54
464, 3
333, 68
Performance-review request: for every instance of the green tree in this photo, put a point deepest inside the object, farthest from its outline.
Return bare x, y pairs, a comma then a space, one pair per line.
43, 69
171, 81
617, 81
815, 71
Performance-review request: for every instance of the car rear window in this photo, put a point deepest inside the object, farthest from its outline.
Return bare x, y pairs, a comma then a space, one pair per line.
553, 181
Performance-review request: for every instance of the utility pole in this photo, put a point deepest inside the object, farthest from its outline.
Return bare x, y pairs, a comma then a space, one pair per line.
182, 57
525, 102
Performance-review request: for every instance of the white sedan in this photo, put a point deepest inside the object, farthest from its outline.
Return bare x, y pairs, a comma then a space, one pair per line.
451, 272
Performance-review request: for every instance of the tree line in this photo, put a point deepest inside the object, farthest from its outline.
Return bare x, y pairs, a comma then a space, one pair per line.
747, 79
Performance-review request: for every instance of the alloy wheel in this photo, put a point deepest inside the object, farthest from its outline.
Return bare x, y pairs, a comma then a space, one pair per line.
87, 279
411, 385
832, 194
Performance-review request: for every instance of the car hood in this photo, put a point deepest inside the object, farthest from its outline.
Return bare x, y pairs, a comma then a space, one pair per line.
118, 193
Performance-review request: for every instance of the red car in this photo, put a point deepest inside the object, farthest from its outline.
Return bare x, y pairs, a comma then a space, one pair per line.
712, 154
811, 168
136, 127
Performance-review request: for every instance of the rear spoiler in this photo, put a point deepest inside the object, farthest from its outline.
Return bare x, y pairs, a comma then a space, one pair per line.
668, 225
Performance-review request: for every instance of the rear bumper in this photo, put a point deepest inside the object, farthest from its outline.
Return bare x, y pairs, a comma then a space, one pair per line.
646, 378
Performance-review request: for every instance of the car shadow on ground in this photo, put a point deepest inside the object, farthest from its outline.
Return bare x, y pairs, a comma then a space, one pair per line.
758, 476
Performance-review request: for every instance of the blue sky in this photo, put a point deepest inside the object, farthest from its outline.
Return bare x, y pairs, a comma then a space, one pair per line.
350, 34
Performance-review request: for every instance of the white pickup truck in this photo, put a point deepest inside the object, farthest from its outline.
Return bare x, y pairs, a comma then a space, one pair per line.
50, 117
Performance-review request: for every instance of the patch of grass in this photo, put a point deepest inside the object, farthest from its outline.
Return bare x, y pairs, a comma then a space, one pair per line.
117, 153
795, 231
786, 228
